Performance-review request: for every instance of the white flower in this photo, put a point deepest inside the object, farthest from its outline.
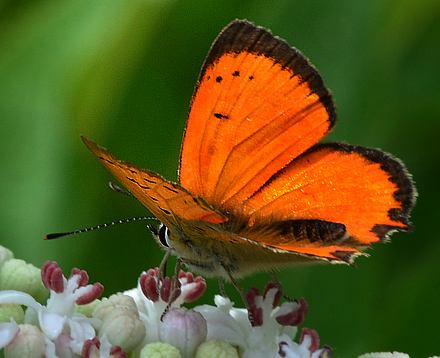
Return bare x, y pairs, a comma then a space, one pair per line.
272, 324
154, 292
62, 328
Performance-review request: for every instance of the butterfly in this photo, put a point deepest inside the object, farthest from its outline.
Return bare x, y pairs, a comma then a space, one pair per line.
256, 191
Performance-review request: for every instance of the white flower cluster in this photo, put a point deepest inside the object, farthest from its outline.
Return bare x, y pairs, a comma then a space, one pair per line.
74, 323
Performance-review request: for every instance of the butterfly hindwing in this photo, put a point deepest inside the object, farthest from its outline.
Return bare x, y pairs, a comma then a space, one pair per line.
366, 190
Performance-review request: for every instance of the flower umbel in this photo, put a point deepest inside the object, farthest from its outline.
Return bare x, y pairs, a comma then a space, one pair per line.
133, 324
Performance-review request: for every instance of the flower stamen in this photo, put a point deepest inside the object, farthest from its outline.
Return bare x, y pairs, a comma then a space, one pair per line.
296, 316
52, 276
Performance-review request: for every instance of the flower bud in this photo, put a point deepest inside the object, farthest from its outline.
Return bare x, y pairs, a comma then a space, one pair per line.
18, 275
29, 343
184, 329
5, 255
384, 355
160, 350
107, 305
123, 329
11, 310
216, 349
120, 322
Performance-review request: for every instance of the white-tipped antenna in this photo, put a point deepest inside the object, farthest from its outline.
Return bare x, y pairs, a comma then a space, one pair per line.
62, 234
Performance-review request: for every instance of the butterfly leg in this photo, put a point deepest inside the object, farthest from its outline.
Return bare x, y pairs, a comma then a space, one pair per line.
221, 285
163, 265
242, 294
175, 286
279, 287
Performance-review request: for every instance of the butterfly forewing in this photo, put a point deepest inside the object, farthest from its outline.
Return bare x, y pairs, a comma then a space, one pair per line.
258, 105
168, 201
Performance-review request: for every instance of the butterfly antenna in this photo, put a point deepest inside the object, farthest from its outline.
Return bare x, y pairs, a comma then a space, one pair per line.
118, 189
113, 223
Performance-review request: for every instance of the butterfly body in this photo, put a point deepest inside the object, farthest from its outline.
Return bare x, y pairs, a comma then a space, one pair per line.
255, 190
213, 250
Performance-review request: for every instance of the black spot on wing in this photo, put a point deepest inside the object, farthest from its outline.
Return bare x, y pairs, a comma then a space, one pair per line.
170, 189
221, 116
165, 210
241, 35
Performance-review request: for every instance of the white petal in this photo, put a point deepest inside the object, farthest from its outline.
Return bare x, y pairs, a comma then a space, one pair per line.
50, 349
80, 331
51, 324
8, 330
222, 326
105, 345
21, 298
292, 349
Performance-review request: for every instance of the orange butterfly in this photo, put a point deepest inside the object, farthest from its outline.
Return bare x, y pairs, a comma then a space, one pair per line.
255, 191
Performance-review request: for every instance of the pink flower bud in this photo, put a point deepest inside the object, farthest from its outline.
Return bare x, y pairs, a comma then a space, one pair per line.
184, 329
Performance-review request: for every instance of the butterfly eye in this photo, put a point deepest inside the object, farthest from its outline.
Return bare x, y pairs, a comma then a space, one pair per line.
163, 235
160, 234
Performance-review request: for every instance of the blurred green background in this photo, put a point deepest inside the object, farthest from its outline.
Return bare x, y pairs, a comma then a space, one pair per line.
122, 73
